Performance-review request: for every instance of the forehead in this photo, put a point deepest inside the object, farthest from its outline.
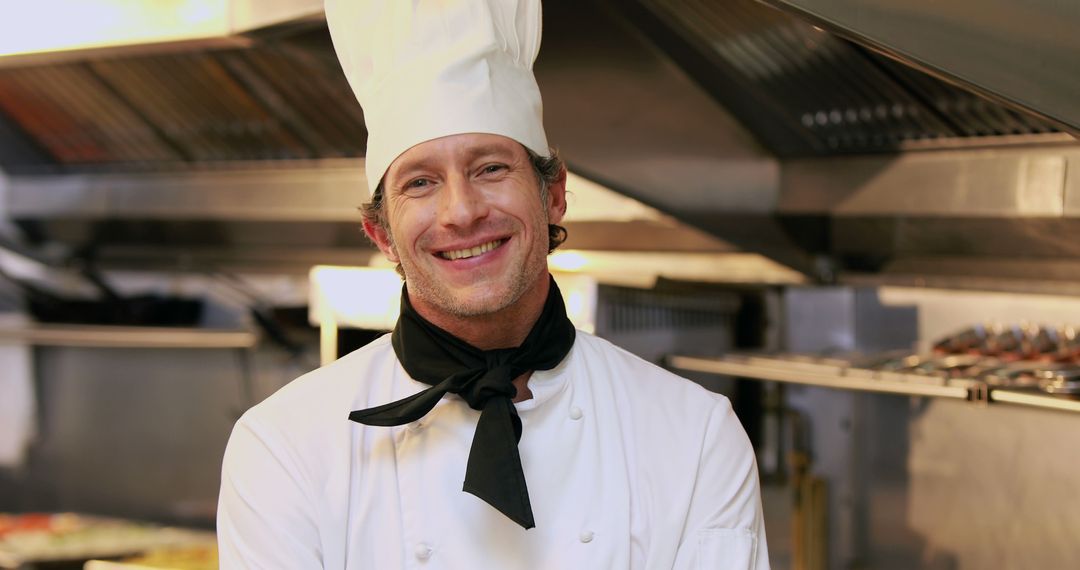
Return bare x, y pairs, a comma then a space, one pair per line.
454, 149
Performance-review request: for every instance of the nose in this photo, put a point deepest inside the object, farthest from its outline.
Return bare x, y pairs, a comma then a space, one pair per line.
462, 203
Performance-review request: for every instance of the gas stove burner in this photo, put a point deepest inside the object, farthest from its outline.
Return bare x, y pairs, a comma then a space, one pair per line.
972, 339
1026, 357
1068, 347
1064, 381
956, 365
1026, 342
1022, 374
932, 364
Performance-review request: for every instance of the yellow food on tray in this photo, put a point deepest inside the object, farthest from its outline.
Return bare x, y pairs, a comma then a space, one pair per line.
32, 539
203, 557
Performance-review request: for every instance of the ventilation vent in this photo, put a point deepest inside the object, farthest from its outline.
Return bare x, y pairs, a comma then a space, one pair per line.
284, 99
654, 324
623, 310
804, 91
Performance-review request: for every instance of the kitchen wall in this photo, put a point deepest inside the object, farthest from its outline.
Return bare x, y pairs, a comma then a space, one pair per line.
925, 483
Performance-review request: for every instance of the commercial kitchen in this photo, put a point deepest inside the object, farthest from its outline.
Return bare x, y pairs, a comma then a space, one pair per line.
860, 221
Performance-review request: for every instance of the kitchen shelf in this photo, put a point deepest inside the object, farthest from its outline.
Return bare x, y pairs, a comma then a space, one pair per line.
838, 374
1035, 399
823, 375
127, 337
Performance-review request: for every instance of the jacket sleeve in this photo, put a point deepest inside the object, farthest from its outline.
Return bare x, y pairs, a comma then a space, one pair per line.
266, 513
725, 528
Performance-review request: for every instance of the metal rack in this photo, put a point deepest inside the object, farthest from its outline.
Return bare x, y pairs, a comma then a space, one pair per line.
241, 341
128, 337
840, 375
1064, 403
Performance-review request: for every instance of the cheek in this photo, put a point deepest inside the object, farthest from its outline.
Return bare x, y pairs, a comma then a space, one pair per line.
525, 204
409, 224
404, 221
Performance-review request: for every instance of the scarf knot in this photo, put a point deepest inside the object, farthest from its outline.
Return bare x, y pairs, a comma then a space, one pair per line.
491, 383
484, 380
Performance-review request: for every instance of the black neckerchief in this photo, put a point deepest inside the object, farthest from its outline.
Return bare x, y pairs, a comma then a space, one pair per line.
484, 379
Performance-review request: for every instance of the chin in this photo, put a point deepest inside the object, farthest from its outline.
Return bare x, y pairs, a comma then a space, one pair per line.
480, 302
487, 296
477, 300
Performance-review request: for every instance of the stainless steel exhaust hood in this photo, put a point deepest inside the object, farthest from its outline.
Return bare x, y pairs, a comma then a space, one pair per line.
1022, 53
809, 122
756, 125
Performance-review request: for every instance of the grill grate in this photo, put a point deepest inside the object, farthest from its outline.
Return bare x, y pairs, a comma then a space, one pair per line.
625, 310
280, 100
75, 118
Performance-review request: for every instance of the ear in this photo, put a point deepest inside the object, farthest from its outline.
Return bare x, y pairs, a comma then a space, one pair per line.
377, 233
557, 198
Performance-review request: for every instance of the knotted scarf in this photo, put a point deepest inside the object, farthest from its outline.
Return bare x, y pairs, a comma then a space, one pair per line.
484, 379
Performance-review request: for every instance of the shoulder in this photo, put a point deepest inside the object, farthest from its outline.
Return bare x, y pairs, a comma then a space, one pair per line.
639, 381
289, 459
301, 430
677, 430
652, 405
322, 399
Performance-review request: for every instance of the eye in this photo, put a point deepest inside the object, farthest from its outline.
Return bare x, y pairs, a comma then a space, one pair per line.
417, 183
492, 168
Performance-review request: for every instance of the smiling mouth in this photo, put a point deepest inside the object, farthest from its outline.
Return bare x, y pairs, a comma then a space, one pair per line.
472, 251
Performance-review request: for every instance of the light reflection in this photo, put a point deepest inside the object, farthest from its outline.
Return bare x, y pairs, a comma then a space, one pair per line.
355, 297
579, 293
370, 298
59, 25
568, 261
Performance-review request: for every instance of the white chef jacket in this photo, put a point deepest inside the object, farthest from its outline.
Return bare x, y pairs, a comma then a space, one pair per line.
627, 466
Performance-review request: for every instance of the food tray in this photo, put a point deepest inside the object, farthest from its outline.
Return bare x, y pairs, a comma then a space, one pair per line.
43, 539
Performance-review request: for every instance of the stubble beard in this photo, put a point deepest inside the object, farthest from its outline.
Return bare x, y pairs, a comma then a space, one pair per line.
422, 285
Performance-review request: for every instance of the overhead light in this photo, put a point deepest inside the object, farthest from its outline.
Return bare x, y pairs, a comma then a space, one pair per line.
641, 269
60, 26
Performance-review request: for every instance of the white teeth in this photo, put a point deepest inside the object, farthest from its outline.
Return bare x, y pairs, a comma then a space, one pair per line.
471, 252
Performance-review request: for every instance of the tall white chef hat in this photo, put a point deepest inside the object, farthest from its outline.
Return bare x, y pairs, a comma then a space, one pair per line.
424, 69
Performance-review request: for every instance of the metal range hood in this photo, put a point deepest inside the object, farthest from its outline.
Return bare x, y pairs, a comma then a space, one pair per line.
817, 134
827, 155
1020, 53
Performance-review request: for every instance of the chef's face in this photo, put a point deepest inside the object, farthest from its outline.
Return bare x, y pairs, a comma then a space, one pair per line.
466, 220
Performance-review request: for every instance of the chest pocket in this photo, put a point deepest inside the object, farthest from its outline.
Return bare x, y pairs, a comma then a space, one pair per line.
726, 549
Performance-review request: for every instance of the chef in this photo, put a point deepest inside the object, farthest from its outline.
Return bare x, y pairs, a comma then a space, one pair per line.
485, 431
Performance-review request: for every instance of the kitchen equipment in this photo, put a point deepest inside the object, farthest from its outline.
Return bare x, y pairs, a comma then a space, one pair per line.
67, 540
1065, 381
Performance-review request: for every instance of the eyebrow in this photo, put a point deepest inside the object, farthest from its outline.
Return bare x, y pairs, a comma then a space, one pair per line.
488, 149
471, 154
